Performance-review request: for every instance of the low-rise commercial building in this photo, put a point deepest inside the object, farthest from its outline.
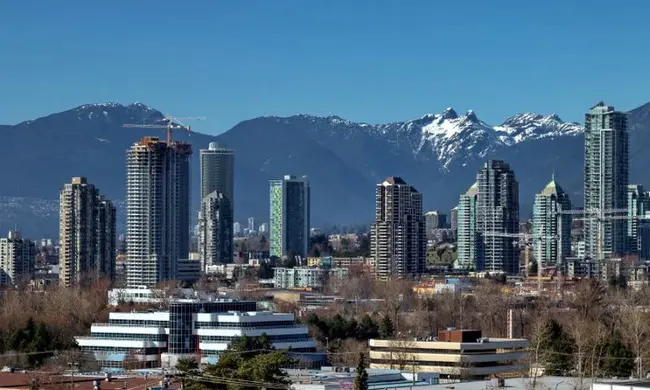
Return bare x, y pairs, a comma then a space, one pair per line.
439, 286
202, 329
188, 270
304, 277
454, 354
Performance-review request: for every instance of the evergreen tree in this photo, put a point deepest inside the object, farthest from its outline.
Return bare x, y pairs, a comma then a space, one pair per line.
386, 328
187, 366
42, 340
618, 359
557, 347
361, 379
367, 328
337, 327
30, 327
251, 358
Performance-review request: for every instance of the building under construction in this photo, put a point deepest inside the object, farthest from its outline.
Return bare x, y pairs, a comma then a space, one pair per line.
157, 205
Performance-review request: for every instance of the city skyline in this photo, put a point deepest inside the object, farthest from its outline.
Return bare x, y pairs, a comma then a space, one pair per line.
487, 214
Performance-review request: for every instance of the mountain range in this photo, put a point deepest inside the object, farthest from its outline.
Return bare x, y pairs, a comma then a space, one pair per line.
439, 154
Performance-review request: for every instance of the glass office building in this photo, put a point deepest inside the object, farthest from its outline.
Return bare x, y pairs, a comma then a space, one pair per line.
203, 329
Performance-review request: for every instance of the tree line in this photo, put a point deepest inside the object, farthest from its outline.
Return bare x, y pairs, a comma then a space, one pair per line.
588, 328
250, 363
36, 327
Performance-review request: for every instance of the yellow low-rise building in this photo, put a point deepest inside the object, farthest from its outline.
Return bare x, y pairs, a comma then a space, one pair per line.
454, 354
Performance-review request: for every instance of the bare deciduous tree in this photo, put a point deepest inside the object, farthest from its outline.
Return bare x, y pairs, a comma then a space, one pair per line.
635, 329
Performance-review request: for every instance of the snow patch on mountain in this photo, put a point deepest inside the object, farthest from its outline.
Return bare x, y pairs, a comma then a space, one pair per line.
449, 137
136, 105
529, 126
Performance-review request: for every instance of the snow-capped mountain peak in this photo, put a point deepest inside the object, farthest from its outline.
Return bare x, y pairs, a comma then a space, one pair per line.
527, 126
452, 138
112, 105
471, 115
447, 137
108, 112
447, 124
449, 113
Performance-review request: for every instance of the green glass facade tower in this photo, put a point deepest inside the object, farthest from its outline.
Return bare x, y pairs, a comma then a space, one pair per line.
289, 216
466, 225
551, 228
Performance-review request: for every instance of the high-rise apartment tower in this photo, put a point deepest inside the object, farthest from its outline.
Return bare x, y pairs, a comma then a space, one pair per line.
606, 179
638, 205
466, 254
157, 210
17, 257
215, 236
435, 220
453, 219
86, 233
218, 171
398, 239
551, 228
497, 212
217, 174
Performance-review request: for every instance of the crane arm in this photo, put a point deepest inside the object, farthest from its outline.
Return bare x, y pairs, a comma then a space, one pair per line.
519, 235
169, 123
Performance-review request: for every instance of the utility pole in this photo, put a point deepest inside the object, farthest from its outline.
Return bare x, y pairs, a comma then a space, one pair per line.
327, 349
73, 366
413, 372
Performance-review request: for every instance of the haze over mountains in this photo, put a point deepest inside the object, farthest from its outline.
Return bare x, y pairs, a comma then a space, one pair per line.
438, 153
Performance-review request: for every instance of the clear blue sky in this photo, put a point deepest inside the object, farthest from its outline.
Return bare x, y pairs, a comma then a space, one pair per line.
365, 60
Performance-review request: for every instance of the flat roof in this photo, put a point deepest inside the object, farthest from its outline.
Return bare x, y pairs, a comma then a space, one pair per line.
521, 383
645, 383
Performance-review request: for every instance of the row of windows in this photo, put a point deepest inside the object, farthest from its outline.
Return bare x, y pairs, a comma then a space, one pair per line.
120, 364
143, 323
118, 350
131, 336
209, 354
244, 325
397, 362
444, 351
278, 338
